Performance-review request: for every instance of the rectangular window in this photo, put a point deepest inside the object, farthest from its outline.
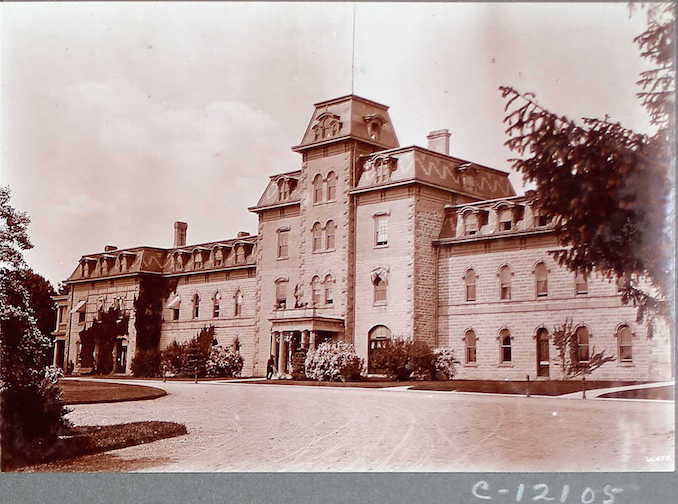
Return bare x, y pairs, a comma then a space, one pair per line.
471, 292
505, 292
581, 284
215, 312
282, 244
543, 220
542, 288
506, 226
175, 314
81, 316
381, 230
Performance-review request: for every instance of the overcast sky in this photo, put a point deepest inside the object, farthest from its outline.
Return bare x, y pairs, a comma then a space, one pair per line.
118, 119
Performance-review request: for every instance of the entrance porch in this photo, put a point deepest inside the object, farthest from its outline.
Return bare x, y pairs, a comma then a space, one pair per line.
298, 328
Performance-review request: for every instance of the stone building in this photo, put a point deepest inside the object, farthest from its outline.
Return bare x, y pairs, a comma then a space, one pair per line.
369, 241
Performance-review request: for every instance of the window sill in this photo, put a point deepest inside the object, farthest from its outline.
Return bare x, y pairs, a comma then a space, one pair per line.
472, 364
505, 365
626, 364
282, 258
381, 246
326, 251
379, 303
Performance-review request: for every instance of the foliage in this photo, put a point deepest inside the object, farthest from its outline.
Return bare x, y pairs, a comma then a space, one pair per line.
565, 341
41, 292
103, 332
31, 404
224, 362
189, 357
299, 364
153, 291
403, 359
333, 362
146, 363
444, 363
607, 186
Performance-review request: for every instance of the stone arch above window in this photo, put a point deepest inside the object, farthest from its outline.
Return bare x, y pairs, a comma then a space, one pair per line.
331, 186
625, 343
541, 278
330, 235
317, 238
582, 340
316, 290
470, 284
328, 284
317, 188
470, 345
505, 278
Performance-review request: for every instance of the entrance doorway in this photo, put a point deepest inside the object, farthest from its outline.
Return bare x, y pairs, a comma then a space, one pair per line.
379, 339
543, 360
121, 357
59, 351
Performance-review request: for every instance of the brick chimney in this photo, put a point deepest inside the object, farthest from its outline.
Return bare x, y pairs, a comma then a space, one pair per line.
180, 234
110, 248
439, 141
242, 234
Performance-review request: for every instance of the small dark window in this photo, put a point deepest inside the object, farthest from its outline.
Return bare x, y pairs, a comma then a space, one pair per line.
81, 316
505, 338
175, 314
470, 343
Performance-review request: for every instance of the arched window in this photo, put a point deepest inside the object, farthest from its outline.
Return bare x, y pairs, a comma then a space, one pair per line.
218, 255
505, 219
470, 223
379, 289
196, 306
505, 283
625, 343
316, 290
283, 239
216, 305
331, 186
330, 230
316, 231
283, 189
470, 281
542, 279
582, 339
240, 254
581, 284
317, 189
237, 306
505, 345
470, 344
281, 293
329, 289
197, 259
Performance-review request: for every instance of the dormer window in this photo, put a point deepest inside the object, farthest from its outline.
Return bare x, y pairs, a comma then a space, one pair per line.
505, 219
218, 257
283, 189
470, 224
197, 260
240, 254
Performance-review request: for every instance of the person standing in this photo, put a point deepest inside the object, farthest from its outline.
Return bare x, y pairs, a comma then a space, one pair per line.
270, 366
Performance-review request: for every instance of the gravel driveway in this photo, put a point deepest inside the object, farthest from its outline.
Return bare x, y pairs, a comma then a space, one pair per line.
251, 427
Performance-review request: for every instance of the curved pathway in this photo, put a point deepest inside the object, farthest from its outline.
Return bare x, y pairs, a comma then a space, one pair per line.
252, 427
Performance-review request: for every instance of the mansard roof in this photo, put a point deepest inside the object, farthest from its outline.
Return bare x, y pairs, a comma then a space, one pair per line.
270, 196
423, 165
151, 260
347, 117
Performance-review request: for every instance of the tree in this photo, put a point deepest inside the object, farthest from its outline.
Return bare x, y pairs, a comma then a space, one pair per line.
41, 292
608, 187
567, 345
33, 412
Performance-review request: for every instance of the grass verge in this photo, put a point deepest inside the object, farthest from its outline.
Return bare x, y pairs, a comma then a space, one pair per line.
89, 392
89, 439
666, 393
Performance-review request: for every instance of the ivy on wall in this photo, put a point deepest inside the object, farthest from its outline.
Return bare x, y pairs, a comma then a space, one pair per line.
103, 334
153, 291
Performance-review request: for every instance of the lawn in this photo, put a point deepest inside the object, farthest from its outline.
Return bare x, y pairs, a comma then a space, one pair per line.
88, 392
547, 387
666, 393
89, 439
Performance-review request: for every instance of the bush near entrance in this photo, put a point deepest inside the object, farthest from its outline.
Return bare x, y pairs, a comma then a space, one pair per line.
333, 362
404, 359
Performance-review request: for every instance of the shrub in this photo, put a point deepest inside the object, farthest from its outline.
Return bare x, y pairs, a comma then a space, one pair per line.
225, 362
404, 359
195, 359
299, 364
443, 363
333, 362
146, 363
172, 359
